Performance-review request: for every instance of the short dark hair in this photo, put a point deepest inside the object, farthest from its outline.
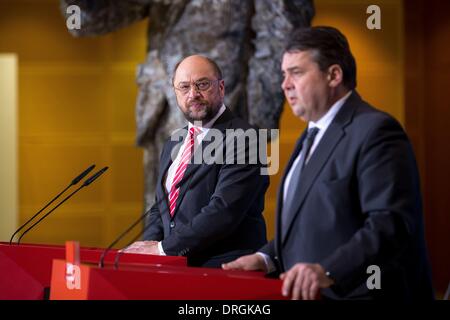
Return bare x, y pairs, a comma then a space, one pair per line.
217, 70
330, 47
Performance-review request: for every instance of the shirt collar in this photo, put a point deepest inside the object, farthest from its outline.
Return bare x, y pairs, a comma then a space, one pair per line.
326, 119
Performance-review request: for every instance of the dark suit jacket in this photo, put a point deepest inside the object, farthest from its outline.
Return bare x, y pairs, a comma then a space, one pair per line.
218, 214
359, 204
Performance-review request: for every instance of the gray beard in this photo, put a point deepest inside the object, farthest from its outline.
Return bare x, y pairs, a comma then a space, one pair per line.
209, 113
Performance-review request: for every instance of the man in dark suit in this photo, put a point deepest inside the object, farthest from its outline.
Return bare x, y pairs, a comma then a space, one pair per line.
209, 211
350, 199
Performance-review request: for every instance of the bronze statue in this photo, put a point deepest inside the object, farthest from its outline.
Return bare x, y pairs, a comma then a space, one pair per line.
246, 38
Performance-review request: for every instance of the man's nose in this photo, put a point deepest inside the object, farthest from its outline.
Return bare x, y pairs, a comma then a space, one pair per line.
287, 83
193, 91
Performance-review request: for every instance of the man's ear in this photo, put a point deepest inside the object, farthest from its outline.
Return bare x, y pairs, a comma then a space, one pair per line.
335, 75
222, 87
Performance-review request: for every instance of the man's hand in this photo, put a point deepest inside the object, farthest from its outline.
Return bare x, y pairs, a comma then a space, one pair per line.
142, 247
251, 262
304, 280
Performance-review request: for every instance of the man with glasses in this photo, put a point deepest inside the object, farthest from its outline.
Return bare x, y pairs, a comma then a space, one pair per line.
211, 213
244, 37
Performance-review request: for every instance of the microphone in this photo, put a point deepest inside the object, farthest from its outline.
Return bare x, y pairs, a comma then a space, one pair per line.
87, 182
74, 182
119, 253
123, 234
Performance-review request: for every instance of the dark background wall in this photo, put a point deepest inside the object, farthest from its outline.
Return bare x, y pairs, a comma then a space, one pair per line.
427, 120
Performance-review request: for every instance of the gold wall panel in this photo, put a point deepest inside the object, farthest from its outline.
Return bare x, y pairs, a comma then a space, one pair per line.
77, 107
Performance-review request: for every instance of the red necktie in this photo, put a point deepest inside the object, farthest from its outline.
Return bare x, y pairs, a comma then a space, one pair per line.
179, 173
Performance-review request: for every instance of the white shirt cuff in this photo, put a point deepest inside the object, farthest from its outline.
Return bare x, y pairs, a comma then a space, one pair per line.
268, 262
161, 251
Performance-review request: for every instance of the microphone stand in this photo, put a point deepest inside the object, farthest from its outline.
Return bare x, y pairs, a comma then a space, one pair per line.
85, 184
74, 182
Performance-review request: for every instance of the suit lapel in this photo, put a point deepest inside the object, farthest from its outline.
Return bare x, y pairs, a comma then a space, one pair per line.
323, 152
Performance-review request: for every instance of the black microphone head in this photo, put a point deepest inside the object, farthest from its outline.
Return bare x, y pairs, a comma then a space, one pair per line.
89, 180
82, 175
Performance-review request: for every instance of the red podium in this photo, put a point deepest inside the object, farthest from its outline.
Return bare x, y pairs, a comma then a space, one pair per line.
162, 282
25, 269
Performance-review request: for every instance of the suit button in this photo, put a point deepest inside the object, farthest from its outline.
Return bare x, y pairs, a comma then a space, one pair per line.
172, 224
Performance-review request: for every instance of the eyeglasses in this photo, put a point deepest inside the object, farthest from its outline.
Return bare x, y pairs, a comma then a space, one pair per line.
200, 85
